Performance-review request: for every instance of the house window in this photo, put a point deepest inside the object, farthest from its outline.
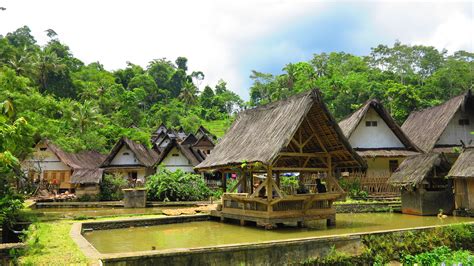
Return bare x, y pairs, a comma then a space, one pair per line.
175, 155
393, 165
208, 151
43, 149
126, 153
370, 123
464, 122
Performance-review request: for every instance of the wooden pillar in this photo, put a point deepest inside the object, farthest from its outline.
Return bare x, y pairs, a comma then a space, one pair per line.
277, 173
269, 183
224, 181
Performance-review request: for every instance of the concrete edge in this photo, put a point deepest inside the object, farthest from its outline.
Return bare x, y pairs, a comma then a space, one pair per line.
85, 246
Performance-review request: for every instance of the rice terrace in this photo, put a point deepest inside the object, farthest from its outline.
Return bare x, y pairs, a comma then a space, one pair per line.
290, 133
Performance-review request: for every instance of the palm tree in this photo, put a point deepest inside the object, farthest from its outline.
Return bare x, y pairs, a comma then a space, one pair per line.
47, 62
188, 93
85, 114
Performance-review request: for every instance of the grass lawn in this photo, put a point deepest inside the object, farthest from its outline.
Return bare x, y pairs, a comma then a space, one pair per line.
49, 243
217, 127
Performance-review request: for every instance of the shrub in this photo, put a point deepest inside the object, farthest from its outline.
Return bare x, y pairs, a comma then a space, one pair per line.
166, 185
352, 187
231, 183
289, 183
111, 187
441, 255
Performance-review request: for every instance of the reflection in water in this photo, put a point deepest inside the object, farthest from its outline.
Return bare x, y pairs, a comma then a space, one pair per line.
209, 233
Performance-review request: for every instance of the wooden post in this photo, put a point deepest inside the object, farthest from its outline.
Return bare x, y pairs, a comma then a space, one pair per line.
224, 181
269, 183
277, 173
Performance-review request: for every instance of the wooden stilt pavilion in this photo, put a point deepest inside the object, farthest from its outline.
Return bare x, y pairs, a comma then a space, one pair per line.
297, 135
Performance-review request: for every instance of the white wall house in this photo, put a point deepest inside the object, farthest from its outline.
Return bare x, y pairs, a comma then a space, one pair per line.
175, 159
377, 138
132, 160
373, 132
458, 129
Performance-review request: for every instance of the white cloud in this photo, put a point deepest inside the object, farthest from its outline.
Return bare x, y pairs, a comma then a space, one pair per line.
208, 33
439, 24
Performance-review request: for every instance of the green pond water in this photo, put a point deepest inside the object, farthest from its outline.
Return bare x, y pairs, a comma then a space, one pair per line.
95, 212
211, 233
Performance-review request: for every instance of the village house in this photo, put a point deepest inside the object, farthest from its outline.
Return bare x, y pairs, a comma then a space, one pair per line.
132, 160
462, 173
377, 138
443, 127
54, 168
296, 135
424, 187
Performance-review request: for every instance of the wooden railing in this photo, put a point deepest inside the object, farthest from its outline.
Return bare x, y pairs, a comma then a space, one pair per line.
374, 183
304, 205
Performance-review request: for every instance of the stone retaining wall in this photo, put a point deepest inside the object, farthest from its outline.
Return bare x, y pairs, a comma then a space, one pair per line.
143, 222
368, 207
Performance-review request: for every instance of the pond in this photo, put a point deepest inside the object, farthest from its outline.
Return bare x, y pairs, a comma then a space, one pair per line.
211, 233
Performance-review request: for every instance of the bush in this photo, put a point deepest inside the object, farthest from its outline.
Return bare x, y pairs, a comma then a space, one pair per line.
111, 187
88, 198
352, 187
440, 256
176, 186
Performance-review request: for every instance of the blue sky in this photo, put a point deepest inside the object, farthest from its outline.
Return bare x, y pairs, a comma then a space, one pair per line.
227, 39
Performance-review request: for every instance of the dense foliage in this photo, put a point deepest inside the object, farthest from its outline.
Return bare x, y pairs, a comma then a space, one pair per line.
12, 132
176, 186
404, 77
440, 255
111, 187
82, 106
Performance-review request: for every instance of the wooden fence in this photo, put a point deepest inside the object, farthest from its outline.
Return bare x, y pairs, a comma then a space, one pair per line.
374, 183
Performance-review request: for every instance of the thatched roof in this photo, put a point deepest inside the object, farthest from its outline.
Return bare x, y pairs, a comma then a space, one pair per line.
147, 157
195, 156
349, 124
87, 176
79, 160
203, 131
370, 153
425, 127
204, 142
416, 168
260, 134
464, 165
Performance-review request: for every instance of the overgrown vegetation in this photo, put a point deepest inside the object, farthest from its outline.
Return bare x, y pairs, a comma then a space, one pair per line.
383, 248
111, 187
166, 185
440, 255
353, 188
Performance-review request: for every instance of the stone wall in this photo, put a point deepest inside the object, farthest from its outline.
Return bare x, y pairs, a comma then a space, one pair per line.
368, 207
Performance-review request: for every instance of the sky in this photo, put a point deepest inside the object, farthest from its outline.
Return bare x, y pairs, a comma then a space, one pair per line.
227, 39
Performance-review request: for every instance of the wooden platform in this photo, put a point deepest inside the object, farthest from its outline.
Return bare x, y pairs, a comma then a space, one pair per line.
268, 213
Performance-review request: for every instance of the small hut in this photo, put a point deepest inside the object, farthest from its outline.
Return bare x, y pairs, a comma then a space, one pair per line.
463, 174
297, 135
424, 187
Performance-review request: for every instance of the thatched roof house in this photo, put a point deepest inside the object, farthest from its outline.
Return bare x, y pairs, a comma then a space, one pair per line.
130, 159
415, 169
143, 155
52, 162
385, 139
464, 165
182, 155
263, 133
441, 127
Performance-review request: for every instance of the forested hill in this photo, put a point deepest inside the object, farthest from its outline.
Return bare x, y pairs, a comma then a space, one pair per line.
82, 106
404, 78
